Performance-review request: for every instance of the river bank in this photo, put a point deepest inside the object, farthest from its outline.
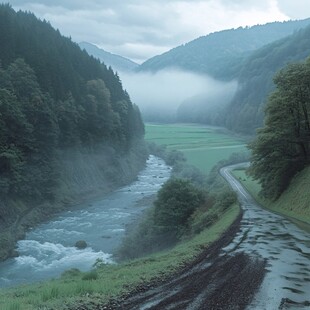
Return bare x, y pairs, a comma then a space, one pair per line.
92, 290
49, 249
263, 266
189, 276
84, 175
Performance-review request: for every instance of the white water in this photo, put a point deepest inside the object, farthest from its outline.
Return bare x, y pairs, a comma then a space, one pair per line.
49, 250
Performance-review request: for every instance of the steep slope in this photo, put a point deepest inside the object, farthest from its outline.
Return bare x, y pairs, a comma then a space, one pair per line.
245, 113
117, 62
67, 127
294, 201
220, 54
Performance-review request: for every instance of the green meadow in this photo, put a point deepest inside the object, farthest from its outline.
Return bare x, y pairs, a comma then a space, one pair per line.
202, 146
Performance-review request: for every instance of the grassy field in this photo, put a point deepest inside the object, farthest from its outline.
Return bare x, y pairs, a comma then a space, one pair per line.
202, 146
293, 203
97, 287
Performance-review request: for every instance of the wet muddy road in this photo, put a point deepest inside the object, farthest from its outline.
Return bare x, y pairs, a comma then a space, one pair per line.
262, 263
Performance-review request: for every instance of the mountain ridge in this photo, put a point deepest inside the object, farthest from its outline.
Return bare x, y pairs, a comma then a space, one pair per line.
219, 54
117, 62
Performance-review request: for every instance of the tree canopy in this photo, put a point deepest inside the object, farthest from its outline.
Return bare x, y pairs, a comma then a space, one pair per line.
53, 96
245, 113
176, 202
282, 146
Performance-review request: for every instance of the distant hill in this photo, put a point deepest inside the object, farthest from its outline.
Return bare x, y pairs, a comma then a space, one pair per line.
245, 112
118, 63
221, 54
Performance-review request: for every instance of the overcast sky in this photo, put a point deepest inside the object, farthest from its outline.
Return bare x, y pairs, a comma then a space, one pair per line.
140, 29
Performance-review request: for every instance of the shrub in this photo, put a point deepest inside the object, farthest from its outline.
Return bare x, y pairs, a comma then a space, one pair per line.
175, 203
91, 275
71, 273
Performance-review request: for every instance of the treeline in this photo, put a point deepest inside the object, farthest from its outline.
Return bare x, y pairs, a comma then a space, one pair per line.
245, 113
53, 96
250, 56
221, 54
282, 147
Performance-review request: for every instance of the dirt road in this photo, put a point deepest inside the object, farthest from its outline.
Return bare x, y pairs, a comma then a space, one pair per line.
261, 263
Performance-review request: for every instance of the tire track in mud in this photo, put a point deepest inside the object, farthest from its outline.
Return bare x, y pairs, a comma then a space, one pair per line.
212, 281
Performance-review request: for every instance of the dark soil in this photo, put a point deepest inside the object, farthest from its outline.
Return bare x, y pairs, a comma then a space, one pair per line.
211, 282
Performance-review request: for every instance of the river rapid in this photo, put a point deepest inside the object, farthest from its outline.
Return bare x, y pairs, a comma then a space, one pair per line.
48, 250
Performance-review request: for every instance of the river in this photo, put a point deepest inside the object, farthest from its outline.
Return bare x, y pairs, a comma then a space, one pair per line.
48, 250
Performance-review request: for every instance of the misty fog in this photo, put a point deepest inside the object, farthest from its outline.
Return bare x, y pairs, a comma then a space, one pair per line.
160, 94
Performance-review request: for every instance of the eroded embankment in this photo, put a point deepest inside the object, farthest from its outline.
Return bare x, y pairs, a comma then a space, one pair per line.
210, 281
83, 175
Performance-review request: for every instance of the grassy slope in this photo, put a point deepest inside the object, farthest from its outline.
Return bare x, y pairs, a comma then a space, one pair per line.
293, 203
113, 280
202, 146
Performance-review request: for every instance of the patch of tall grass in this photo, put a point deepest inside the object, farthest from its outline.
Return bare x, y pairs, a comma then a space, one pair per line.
294, 201
113, 280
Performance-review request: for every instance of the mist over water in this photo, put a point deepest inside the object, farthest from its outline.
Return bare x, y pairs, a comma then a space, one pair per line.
161, 93
48, 250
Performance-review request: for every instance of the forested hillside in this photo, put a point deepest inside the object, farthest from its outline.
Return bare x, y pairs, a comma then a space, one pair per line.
245, 113
117, 62
67, 126
220, 54
282, 146
250, 56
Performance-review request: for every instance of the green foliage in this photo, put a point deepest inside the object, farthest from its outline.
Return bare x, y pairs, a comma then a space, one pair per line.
282, 146
113, 280
71, 273
221, 54
245, 113
293, 202
55, 97
250, 55
175, 203
150, 236
49, 293
91, 275
54, 100
164, 224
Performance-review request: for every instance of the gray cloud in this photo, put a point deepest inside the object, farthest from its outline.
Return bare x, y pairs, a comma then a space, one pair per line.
297, 9
140, 29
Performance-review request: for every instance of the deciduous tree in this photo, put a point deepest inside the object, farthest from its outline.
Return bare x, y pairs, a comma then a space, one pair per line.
282, 146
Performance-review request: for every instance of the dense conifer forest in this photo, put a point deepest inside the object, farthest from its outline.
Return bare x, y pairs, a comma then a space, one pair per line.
56, 102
